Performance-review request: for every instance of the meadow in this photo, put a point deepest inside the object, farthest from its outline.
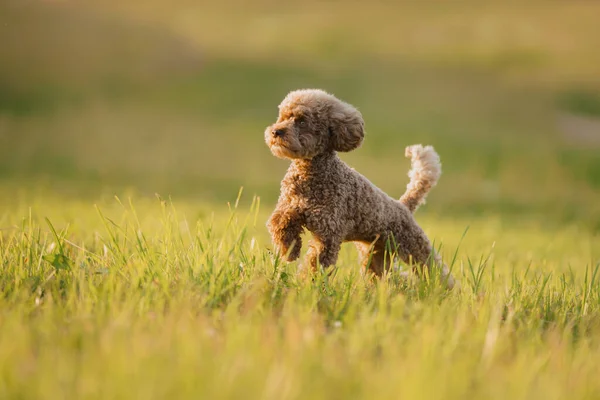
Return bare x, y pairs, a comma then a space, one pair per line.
135, 186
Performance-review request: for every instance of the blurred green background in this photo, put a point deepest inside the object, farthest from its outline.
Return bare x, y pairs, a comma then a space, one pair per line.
173, 97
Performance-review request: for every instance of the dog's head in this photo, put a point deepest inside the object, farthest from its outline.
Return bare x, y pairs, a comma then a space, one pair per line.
312, 122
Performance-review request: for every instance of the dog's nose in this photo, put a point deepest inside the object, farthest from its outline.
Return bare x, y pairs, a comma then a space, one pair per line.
277, 132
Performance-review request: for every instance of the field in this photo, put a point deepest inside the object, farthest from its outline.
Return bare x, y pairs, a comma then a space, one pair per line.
135, 186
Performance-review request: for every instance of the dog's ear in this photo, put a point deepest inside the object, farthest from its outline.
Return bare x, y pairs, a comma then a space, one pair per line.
346, 127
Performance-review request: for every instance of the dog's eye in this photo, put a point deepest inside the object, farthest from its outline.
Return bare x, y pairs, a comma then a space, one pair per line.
302, 122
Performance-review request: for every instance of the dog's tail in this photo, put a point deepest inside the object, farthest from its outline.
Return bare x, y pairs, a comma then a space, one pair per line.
424, 174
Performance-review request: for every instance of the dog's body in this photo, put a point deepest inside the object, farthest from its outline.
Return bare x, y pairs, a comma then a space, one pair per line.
334, 202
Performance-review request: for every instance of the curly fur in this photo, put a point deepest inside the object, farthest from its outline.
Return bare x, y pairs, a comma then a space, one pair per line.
424, 174
334, 202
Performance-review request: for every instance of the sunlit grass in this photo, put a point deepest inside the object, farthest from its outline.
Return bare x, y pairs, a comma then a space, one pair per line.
158, 299
141, 296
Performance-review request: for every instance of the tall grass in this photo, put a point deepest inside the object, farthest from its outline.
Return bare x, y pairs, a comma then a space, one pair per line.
143, 297
136, 298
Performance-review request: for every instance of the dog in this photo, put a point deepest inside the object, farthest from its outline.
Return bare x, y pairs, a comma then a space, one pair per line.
336, 203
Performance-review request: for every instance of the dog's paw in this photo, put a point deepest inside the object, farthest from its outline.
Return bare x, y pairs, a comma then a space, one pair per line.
293, 254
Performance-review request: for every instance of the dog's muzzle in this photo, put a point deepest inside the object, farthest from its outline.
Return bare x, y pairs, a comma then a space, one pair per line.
277, 132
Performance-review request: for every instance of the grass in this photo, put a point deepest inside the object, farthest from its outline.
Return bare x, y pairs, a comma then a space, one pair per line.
154, 299
146, 297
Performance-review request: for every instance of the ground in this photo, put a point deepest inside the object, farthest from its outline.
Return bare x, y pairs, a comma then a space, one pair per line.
132, 266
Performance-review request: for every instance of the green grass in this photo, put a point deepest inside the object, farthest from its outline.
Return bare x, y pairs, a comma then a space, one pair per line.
147, 298
581, 101
153, 299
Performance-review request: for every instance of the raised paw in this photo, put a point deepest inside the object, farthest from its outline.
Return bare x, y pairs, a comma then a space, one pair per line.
294, 253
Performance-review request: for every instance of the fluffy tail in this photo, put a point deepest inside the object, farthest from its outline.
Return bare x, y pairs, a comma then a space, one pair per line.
424, 174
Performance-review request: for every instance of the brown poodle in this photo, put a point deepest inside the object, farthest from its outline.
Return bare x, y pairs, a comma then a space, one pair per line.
334, 202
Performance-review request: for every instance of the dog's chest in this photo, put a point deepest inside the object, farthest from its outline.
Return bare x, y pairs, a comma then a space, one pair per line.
312, 192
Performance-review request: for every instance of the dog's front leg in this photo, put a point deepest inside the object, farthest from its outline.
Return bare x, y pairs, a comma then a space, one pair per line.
323, 252
285, 227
